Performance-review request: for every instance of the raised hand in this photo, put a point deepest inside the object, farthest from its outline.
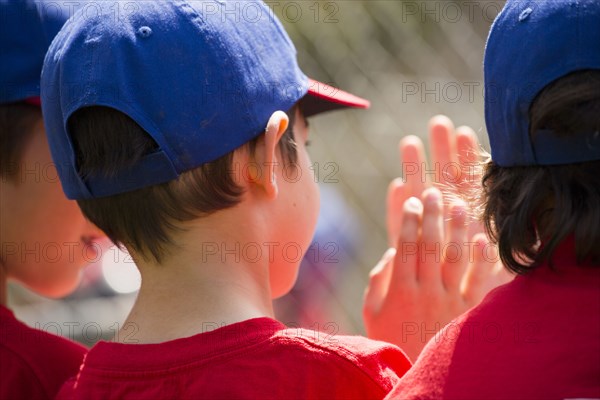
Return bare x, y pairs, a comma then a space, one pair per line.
439, 263
454, 169
429, 277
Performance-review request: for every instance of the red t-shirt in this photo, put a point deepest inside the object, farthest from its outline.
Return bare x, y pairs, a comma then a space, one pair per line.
255, 359
537, 337
33, 364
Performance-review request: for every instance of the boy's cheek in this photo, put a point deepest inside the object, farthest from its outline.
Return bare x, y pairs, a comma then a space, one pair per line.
47, 269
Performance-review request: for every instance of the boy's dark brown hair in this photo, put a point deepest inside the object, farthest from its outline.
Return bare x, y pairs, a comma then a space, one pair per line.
107, 141
16, 127
529, 211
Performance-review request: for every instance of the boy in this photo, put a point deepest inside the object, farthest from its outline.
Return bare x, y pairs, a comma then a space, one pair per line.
167, 125
34, 213
536, 337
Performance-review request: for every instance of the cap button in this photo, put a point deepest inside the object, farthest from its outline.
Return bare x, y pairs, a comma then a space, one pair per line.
525, 14
144, 31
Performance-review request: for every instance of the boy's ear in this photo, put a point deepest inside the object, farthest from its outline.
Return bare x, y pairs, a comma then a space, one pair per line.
266, 152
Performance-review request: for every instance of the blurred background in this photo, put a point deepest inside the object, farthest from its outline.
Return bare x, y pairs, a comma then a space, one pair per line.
412, 60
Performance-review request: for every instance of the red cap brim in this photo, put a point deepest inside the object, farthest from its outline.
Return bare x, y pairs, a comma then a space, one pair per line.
322, 98
34, 101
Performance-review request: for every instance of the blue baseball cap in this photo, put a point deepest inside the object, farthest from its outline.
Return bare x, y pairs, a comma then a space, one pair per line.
531, 44
27, 28
201, 77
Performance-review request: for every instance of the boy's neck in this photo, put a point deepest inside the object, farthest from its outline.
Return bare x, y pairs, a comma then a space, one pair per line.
192, 291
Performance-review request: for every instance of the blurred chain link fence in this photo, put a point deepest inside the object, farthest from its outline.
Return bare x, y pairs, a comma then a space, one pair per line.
412, 60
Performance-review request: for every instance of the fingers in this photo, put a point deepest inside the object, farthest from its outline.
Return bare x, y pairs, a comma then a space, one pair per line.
412, 154
468, 157
443, 144
456, 257
467, 145
379, 281
469, 160
405, 262
481, 268
396, 196
432, 235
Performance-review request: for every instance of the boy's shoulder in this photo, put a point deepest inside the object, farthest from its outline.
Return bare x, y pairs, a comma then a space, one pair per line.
359, 350
34, 363
351, 357
257, 358
539, 319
